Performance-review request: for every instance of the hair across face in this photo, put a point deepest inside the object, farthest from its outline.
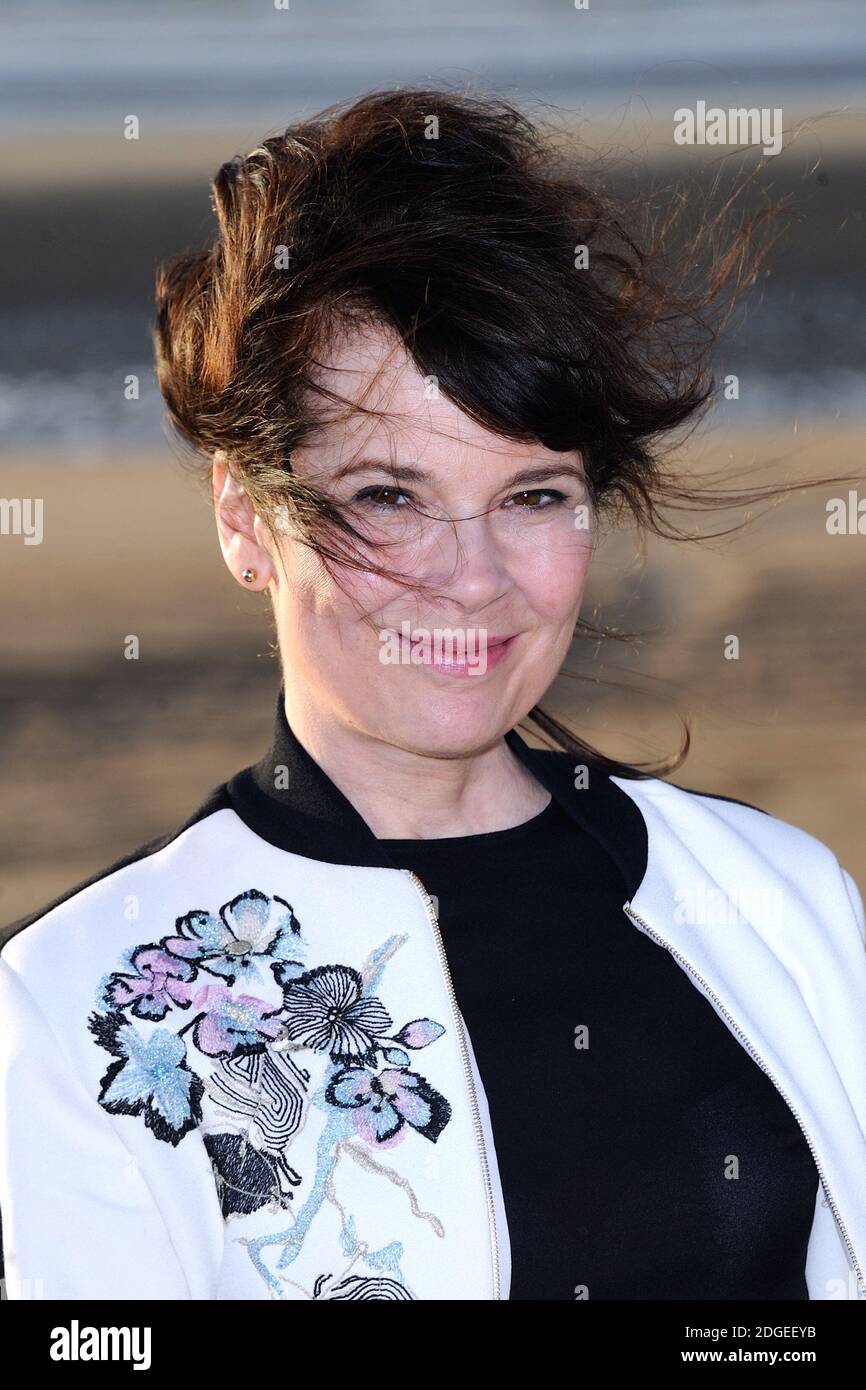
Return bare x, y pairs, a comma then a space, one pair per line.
488, 542
447, 221
448, 227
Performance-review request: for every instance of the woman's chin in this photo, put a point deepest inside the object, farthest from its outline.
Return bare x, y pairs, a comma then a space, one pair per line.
441, 725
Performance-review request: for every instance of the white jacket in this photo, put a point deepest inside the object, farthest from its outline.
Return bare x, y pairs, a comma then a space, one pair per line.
233, 1066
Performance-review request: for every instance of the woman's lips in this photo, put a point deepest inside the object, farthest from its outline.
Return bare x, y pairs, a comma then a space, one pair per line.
488, 655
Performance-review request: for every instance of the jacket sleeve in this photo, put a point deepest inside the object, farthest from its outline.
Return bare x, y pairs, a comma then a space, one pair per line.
78, 1219
856, 901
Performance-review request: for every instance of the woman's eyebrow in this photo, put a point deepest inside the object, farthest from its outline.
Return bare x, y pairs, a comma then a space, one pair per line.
408, 473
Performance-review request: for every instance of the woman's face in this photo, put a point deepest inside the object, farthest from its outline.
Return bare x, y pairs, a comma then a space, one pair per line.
452, 669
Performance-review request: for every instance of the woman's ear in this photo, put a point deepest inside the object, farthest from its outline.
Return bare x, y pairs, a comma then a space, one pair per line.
248, 560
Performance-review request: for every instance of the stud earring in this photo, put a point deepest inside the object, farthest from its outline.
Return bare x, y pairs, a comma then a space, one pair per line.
248, 576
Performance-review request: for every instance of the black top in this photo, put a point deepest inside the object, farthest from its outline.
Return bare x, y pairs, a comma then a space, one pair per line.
643, 1153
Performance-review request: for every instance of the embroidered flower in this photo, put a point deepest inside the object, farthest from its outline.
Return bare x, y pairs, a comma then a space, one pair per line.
325, 1010
149, 1077
252, 1096
383, 1103
159, 982
420, 1033
250, 931
229, 1021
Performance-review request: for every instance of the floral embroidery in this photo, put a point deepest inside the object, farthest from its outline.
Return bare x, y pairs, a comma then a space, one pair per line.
249, 931
252, 1011
150, 1077
324, 1010
383, 1103
228, 1024
159, 982
356, 1287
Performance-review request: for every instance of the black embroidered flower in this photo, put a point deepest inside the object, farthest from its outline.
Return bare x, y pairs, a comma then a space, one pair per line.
325, 1010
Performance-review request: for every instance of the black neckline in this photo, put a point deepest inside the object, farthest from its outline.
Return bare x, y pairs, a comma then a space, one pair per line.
479, 838
289, 801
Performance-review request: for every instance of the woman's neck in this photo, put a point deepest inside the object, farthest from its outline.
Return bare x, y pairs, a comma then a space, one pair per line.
405, 794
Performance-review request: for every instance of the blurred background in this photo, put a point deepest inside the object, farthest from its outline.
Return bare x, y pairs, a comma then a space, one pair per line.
101, 753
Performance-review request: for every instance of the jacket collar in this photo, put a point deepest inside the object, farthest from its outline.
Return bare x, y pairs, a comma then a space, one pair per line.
288, 800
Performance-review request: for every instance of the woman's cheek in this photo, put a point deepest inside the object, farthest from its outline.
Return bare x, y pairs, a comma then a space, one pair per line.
554, 581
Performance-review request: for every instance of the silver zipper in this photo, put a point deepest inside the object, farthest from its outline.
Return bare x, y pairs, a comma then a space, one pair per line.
627, 909
467, 1066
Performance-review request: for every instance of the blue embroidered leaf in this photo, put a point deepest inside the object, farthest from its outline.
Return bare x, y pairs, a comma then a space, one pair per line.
396, 1056
419, 1033
150, 1077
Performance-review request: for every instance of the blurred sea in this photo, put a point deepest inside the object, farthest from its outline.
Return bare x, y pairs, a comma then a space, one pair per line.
78, 257
181, 62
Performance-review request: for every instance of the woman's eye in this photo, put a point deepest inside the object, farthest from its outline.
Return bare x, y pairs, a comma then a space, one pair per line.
385, 498
534, 504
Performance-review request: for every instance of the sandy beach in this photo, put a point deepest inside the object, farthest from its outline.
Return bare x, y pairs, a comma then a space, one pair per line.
103, 752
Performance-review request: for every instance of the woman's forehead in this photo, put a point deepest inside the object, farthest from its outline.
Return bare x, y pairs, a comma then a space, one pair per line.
392, 410
367, 365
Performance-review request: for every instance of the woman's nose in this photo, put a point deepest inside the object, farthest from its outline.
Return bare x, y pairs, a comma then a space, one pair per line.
466, 562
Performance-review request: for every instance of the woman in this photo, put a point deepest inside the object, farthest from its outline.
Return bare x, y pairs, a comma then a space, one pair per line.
411, 1009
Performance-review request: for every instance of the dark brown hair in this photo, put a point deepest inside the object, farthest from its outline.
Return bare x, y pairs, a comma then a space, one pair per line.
462, 245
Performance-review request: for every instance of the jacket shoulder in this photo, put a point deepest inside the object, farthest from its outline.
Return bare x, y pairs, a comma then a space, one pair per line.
713, 825
216, 800
701, 809
723, 831
724, 828
717, 796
